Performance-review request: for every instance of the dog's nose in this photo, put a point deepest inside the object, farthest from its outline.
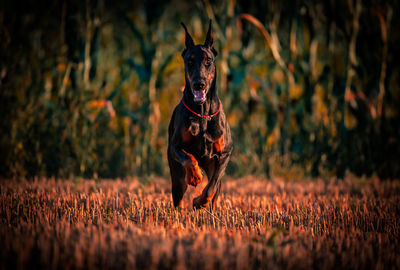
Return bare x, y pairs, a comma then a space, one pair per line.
198, 85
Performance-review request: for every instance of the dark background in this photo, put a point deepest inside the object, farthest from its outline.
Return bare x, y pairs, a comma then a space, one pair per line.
87, 88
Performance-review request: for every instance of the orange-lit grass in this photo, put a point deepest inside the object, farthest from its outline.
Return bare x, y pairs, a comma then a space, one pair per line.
257, 224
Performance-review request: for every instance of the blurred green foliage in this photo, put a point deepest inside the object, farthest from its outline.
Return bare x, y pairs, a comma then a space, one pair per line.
87, 88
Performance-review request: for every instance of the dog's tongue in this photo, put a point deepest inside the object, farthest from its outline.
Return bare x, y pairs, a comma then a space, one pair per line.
199, 96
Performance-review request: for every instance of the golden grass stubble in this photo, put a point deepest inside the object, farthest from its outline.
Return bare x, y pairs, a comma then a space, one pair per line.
258, 223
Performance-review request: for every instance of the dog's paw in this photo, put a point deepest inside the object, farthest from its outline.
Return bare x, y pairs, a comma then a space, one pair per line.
197, 203
193, 175
200, 202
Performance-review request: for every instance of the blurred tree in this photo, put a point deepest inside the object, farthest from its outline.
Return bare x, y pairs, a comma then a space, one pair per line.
310, 88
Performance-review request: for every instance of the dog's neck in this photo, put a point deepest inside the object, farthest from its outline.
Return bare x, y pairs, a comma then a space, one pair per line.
209, 106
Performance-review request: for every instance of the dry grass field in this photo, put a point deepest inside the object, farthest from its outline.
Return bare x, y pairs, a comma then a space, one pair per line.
258, 224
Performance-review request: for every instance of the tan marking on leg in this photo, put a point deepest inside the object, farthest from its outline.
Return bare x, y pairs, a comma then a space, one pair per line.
180, 204
193, 175
219, 144
214, 203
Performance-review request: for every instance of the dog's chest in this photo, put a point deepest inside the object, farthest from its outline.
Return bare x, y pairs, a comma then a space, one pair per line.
205, 137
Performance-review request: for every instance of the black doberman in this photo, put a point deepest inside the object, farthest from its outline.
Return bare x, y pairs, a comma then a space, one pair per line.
199, 135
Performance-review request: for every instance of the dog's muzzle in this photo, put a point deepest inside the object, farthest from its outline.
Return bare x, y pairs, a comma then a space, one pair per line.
199, 90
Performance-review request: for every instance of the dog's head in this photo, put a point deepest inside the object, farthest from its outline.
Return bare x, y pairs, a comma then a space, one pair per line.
199, 65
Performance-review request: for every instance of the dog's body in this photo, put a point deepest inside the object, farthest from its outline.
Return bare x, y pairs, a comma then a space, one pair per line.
199, 135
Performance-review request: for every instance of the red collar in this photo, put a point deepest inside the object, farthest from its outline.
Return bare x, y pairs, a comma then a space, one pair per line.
208, 117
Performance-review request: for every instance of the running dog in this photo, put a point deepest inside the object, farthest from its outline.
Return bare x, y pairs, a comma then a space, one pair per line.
199, 136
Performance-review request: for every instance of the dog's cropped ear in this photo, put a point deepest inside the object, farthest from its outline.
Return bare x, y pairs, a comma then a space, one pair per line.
210, 40
188, 40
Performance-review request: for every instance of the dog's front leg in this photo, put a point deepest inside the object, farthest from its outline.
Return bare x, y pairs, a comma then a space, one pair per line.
193, 175
211, 191
192, 171
184, 170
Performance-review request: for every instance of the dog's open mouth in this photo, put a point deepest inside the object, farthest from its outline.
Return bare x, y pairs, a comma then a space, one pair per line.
200, 95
